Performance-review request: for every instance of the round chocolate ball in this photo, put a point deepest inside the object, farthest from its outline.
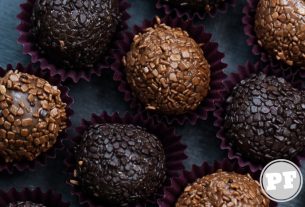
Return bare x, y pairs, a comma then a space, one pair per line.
223, 189
280, 29
32, 115
120, 164
25, 204
74, 34
265, 119
167, 70
198, 5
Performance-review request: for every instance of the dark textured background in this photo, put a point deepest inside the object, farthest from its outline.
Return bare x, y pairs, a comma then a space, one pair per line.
100, 94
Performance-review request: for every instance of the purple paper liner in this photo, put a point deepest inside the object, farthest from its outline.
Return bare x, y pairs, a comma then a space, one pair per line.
244, 72
174, 150
189, 13
26, 38
173, 192
58, 146
36, 195
248, 21
213, 56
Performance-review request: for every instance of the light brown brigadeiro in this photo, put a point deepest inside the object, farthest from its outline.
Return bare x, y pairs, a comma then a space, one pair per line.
167, 70
280, 29
32, 115
223, 189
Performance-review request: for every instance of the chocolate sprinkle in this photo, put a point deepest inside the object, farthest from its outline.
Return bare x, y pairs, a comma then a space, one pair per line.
25, 204
223, 189
119, 164
167, 70
205, 5
265, 119
74, 34
24, 133
280, 28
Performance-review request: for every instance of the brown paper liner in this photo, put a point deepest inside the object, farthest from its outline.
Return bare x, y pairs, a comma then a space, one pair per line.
174, 151
213, 56
173, 192
233, 79
51, 153
26, 40
48, 198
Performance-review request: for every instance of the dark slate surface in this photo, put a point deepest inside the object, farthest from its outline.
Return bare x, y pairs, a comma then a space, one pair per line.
100, 94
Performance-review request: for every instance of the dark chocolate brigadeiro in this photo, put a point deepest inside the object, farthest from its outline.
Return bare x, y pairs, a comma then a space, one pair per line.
265, 119
167, 70
223, 189
25, 204
32, 115
74, 34
203, 5
119, 164
280, 28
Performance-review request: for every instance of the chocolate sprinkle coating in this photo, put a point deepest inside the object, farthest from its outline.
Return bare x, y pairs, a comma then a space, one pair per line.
32, 115
223, 189
167, 70
25, 204
119, 163
280, 28
265, 119
198, 5
76, 33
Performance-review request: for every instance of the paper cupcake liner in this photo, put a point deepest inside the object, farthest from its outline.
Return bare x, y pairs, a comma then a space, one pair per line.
173, 192
248, 20
174, 150
213, 56
189, 13
36, 195
51, 153
26, 40
245, 72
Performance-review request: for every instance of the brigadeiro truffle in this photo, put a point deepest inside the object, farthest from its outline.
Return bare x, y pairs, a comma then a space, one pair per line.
280, 29
32, 115
74, 34
119, 163
223, 189
25, 204
167, 70
31, 198
223, 183
265, 119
